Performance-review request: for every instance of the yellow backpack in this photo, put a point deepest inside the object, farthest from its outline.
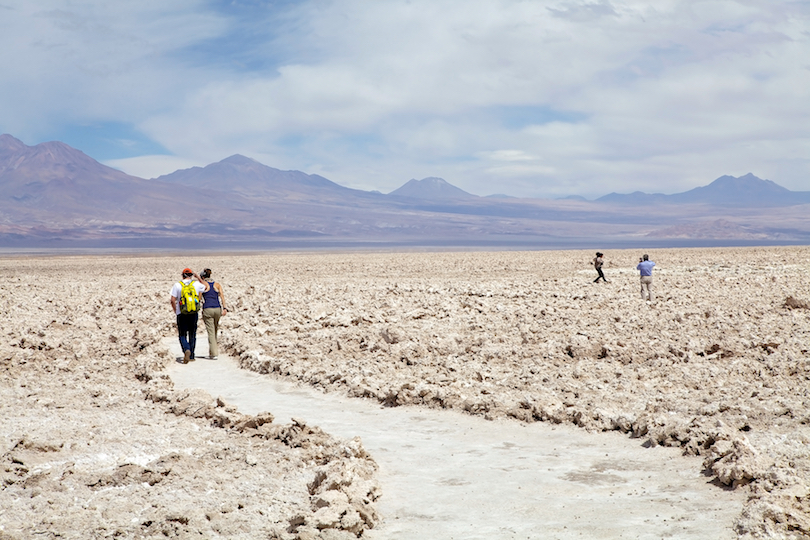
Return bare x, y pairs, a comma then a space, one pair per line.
189, 299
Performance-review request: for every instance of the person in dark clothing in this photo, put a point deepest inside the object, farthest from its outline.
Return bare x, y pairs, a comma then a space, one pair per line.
597, 263
187, 322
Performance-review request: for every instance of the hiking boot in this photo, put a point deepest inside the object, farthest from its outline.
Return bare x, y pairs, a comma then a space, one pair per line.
186, 356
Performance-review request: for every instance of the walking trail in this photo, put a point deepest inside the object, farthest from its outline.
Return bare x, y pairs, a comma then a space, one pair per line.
447, 475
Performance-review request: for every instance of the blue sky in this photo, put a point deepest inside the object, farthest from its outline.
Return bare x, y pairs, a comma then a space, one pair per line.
523, 97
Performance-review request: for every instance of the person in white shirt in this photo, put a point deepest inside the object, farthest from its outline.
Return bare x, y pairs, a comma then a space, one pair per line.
187, 322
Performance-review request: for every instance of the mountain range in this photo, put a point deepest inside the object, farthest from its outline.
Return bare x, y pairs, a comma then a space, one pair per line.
744, 191
54, 195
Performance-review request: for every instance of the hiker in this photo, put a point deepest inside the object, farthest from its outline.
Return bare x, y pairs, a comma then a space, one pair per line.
186, 305
597, 263
213, 309
645, 267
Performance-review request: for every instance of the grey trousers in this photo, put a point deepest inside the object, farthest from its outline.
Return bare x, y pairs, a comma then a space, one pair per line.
211, 319
646, 288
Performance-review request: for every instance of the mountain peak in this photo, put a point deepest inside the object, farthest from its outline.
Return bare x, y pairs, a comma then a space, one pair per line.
748, 181
239, 159
430, 188
744, 191
248, 177
9, 142
52, 159
432, 180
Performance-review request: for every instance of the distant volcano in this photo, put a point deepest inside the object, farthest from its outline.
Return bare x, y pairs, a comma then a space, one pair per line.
55, 185
431, 188
53, 178
745, 191
247, 177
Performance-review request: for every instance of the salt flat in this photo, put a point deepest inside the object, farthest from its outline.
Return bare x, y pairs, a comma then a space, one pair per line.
717, 368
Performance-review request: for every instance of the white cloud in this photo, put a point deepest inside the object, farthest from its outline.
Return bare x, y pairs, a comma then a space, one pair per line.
508, 155
658, 96
108, 61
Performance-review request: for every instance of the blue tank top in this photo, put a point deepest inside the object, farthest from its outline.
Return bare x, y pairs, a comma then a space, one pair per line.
211, 297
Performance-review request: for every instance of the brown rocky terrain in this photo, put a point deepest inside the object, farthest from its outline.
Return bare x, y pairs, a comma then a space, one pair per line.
97, 443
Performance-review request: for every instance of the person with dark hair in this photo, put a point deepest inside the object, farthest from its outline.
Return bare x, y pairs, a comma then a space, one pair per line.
185, 300
597, 263
213, 309
645, 268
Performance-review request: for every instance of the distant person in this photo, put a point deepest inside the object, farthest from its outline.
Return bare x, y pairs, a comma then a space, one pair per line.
213, 309
645, 267
186, 303
597, 263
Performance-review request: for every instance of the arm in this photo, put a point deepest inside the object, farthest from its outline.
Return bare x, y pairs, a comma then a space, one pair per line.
174, 293
218, 288
202, 282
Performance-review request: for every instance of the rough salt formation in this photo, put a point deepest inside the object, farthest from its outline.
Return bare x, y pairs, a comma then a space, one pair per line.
718, 365
95, 443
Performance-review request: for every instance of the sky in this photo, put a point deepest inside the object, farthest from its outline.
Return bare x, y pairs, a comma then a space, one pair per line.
528, 98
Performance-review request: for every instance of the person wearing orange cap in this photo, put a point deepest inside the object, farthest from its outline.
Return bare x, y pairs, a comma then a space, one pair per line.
187, 321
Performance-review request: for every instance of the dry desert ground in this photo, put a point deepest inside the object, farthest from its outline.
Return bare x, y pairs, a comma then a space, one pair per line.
97, 443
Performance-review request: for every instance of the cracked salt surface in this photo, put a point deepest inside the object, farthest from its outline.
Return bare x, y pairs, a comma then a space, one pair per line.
447, 475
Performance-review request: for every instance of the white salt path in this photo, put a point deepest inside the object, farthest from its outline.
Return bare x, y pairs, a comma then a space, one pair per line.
446, 475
